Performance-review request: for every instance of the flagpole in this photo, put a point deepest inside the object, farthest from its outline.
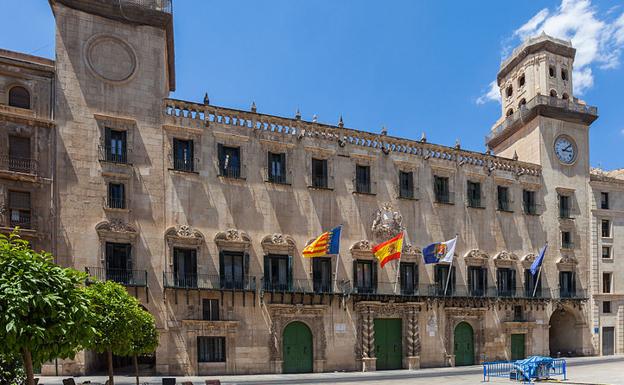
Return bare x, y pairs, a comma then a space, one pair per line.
448, 277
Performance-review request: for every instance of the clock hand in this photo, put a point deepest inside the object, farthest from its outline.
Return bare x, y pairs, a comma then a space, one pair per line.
569, 146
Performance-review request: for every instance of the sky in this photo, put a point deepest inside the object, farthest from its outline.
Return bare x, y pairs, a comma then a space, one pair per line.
411, 66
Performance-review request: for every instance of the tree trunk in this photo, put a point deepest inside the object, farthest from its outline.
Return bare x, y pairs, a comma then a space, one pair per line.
136, 368
28, 365
109, 358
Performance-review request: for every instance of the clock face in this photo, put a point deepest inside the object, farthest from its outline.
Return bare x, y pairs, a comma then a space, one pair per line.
565, 149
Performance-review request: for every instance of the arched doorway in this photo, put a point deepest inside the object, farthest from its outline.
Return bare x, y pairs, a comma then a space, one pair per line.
564, 338
297, 348
463, 344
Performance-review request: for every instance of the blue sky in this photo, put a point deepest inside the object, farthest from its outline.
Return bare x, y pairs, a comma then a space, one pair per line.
412, 66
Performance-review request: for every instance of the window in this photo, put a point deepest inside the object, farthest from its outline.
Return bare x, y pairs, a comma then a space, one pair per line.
210, 309
503, 198
116, 196
229, 161
566, 240
19, 97
564, 74
521, 80
365, 276
119, 262
518, 313
477, 281
406, 184
19, 209
604, 200
567, 284
277, 167
232, 269
565, 96
606, 307
183, 155
19, 154
528, 199
362, 179
210, 349
564, 206
321, 275
551, 71
408, 277
606, 252
474, 194
532, 285
509, 112
522, 103
509, 91
441, 189
506, 282
277, 272
606, 228
441, 276
606, 282
185, 267
319, 173
115, 145
553, 93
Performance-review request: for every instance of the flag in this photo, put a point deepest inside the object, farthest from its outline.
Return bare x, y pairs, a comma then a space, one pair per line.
325, 244
538, 260
440, 251
389, 250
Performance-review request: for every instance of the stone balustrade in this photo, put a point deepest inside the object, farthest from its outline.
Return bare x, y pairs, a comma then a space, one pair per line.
200, 116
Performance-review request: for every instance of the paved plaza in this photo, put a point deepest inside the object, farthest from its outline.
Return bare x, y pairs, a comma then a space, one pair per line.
590, 370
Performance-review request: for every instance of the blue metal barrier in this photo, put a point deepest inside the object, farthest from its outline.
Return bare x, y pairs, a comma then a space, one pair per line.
513, 371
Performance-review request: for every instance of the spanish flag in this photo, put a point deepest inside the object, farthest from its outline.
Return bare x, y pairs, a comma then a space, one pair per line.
389, 250
326, 244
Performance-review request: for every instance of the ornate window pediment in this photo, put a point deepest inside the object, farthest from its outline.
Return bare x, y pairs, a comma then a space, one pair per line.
278, 244
528, 260
411, 252
567, 262
476, 257
505, 259
233, 239
116, 229
184, 234
361, 249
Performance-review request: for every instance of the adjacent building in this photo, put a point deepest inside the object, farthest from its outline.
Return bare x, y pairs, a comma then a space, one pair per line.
202, 212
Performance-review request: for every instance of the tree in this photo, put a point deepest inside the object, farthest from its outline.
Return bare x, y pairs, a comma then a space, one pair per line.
44, 311
114, 311
11, 369
144, 336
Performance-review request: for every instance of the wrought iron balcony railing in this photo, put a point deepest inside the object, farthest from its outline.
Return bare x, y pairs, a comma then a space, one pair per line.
125, 277
109, 154
16, 164
307, 286
208, 282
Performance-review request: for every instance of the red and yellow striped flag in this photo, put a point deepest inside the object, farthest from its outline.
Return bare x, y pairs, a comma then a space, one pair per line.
389, 250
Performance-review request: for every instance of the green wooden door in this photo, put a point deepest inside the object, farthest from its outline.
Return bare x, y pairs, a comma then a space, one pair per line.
388, 346
464, 345
517, 346
297, 348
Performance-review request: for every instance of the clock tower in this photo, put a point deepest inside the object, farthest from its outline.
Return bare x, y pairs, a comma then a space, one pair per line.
543, 123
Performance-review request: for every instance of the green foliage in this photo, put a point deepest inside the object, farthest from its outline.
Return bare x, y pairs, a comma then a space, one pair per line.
43, 307
144, 334
11, 370
114, 311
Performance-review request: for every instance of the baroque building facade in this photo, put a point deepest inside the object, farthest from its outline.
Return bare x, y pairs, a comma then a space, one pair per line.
202, 212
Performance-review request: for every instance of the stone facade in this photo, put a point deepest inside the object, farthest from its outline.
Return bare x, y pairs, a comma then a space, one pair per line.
216, 205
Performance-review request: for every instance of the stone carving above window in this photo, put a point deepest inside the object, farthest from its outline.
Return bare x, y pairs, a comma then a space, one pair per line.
528, 260
278, 243
567, 262
116, 228
410, 251
476, 257
387, 222
361, 249
505, 259
233, 239
184, 234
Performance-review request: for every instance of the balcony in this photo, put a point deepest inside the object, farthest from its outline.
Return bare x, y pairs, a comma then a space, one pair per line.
185, 165
307, 286
208, 282
23, 219
18, 165
108, 154
447, 198
570, 294
133, 278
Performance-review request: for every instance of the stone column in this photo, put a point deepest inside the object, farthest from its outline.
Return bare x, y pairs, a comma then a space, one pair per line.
369, 361
413, 341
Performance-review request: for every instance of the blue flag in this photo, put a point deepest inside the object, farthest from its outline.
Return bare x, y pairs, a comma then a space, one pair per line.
538, 260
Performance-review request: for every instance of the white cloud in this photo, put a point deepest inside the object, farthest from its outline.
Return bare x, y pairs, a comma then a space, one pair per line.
598, 38
492, 94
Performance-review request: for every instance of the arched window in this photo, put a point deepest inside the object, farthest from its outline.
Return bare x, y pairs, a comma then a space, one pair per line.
521, 81
522, 102
509, 91
551, 71
19, 97
565, 96
553, 93
509, 112
564, 74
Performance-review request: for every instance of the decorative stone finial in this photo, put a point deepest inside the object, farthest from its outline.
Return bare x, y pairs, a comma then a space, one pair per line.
314, 118
457, 144
384, 131
206, 100
515, 155
298, 115
423, 137
253, 106
340, 122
